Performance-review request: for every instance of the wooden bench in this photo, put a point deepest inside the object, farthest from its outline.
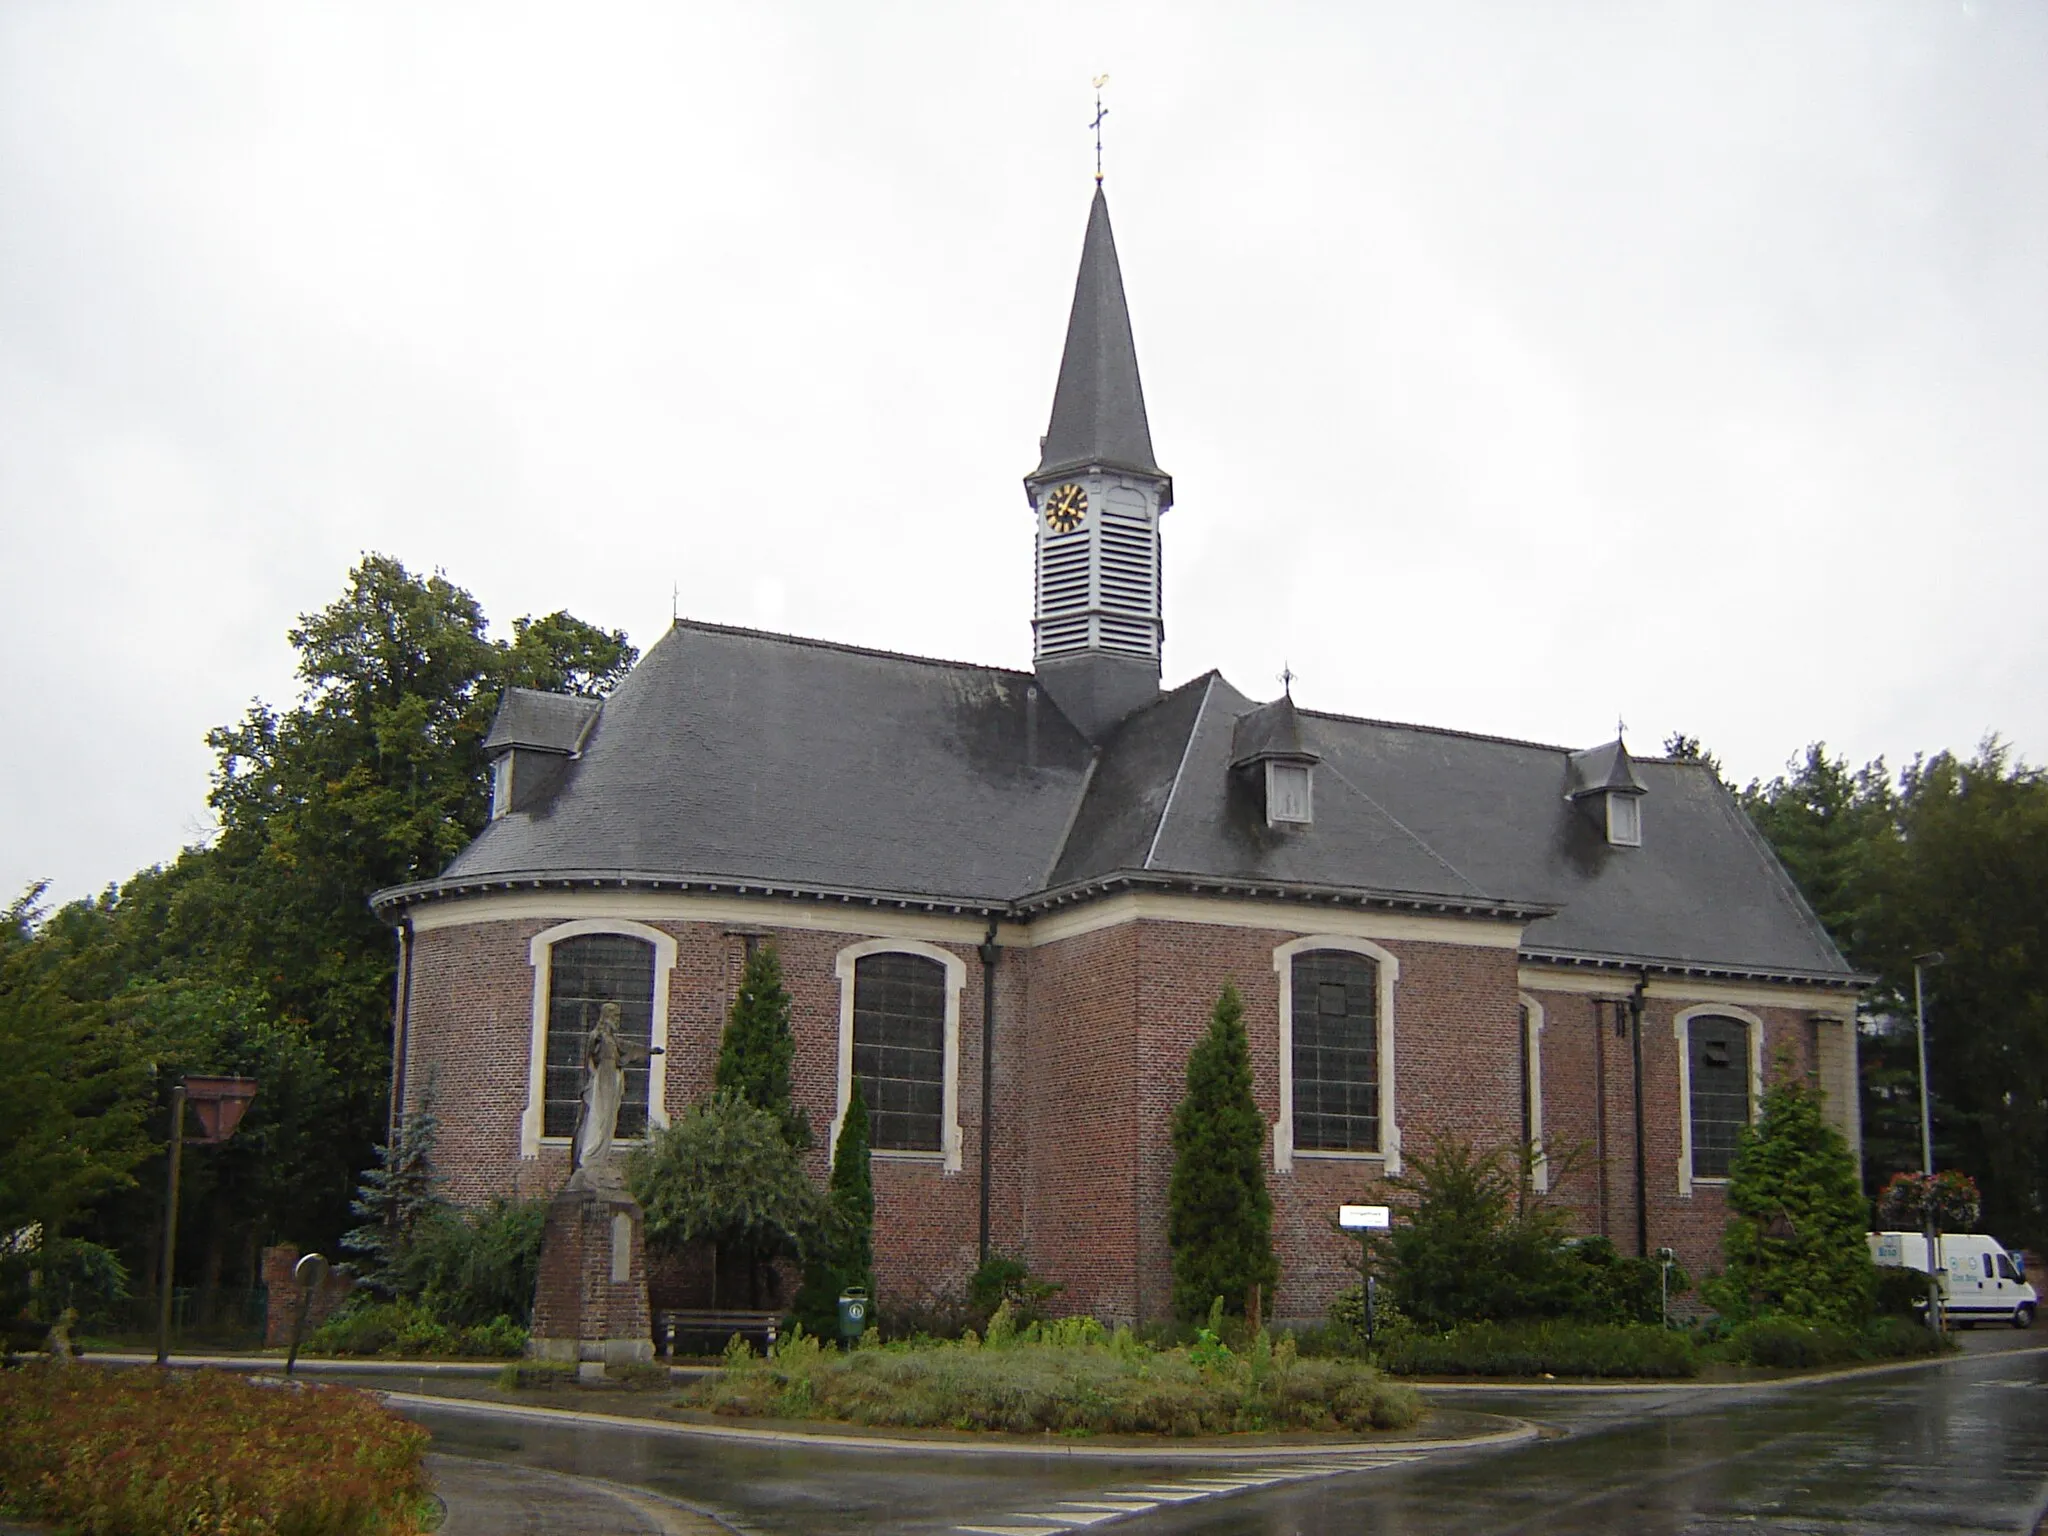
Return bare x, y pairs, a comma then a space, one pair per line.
714, 1320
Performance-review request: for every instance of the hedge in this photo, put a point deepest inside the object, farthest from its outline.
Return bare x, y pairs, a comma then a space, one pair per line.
139, 1452
1540, 1349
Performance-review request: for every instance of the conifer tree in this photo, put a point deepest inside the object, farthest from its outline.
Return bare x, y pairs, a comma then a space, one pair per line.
396, 1197
1219, 1216
846, 1251
755, 1053
1795, 1246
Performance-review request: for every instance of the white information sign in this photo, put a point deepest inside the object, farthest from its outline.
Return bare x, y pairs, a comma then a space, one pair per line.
1354, 1217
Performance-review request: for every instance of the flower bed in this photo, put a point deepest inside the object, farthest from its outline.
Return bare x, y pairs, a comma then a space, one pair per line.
1066, 1378
139, 1452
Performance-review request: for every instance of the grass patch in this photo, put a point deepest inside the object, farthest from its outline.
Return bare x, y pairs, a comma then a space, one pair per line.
139, 1451
407, 1331
1543, 1349
1067, 1378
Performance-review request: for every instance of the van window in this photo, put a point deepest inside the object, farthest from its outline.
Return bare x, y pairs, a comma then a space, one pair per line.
2005, 1269
1987, 1266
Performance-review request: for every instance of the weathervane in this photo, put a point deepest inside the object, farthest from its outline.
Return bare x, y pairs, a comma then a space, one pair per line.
1287, 677
1100, 113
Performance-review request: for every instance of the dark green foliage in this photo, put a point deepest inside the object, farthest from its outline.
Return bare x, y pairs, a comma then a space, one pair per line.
1474, 1247
60, 1274
1901, 1292
1219, 1216
469, 1267
757, 1048
409, 1330
1542, 1349
395, 1200
1951, 857
1788, 1344
843, 1255
723, 1173
1003, 1279
1795, 1241
257, 953
71, 1092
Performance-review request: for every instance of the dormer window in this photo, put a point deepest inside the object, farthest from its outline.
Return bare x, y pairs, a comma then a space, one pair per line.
1602, 783
501, 785
1270, 752
1624, 821
1289, 789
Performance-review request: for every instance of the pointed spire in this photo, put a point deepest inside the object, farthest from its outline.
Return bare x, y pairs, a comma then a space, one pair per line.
1098, 411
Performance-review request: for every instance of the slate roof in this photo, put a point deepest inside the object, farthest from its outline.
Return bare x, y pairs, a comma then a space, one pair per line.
1098, 407
732, 755
546, 722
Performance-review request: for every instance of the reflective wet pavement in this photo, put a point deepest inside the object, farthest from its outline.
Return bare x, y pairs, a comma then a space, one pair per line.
1958, 1448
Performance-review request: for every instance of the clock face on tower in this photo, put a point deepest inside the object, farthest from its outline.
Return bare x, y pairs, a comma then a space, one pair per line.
1065, 508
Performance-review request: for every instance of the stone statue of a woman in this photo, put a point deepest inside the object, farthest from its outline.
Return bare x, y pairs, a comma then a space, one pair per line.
605, 1058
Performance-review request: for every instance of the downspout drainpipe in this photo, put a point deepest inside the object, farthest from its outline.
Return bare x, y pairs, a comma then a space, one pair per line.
990, 954
401, 1018
1600, 1104
1635, 1017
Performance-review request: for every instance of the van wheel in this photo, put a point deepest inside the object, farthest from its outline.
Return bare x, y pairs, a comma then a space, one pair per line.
2023, 1315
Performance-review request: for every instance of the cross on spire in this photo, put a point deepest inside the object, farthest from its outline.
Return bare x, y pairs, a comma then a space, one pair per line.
1100, 113
1287, 677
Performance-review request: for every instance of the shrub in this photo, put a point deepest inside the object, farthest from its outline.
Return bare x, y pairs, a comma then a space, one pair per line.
407, 1330
1002, 1279
1795, 1244
1900, 1292
1543, 1349
1065, 1377
470, 1267
1789, 1344
141, 1451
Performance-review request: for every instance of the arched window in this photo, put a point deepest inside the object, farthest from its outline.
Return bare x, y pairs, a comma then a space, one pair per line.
1336, 1052
585, 973
899, 1049
1719, 1069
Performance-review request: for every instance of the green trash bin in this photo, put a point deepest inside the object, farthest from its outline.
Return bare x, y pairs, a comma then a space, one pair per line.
853, 1313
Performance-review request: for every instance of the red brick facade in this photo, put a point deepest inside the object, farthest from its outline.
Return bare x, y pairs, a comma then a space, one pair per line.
1093, 1030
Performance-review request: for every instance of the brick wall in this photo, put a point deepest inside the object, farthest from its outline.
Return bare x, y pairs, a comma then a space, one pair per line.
1093, 1033
283, 1294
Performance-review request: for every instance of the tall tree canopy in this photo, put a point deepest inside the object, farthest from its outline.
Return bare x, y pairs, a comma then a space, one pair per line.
1951, 856
257, 952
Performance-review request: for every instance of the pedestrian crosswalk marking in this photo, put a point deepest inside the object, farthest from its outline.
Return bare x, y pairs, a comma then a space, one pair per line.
1114, 1503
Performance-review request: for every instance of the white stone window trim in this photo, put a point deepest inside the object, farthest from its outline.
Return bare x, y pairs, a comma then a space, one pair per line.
1681, 1028
540, 954
1389, 972
843, 967
1532, 1045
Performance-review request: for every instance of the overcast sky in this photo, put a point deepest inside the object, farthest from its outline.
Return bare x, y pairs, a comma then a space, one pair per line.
1520, 366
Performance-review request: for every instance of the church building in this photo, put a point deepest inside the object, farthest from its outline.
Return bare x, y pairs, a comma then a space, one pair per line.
1005, 902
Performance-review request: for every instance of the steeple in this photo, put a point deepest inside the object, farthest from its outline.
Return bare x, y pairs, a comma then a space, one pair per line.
1098, 494
1098, 408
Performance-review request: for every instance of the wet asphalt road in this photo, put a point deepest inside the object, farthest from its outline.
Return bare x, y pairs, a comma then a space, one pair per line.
1958, 1448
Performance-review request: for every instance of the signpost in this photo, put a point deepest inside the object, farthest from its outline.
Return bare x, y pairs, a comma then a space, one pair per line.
1366, 1220
219, 1102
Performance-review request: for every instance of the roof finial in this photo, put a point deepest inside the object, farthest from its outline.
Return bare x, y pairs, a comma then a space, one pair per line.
1100, 113
1287, 676
1620, 727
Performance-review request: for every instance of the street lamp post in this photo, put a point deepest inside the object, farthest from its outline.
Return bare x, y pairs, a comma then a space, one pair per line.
1921, 965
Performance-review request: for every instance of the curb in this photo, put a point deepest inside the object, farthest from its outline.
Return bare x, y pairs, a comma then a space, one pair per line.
1817, 1378
576, 1417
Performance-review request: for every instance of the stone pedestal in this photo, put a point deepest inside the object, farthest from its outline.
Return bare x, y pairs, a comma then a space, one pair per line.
590, 1305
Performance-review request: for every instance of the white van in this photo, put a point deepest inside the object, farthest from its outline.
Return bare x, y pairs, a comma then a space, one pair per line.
1980, 1281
